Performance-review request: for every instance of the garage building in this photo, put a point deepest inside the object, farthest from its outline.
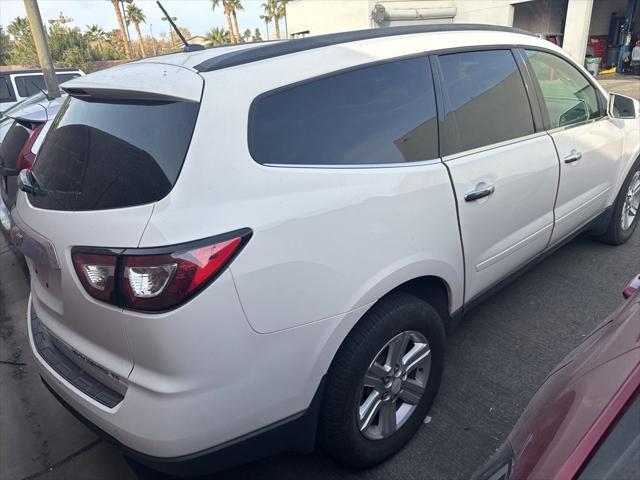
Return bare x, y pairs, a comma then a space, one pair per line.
603, 28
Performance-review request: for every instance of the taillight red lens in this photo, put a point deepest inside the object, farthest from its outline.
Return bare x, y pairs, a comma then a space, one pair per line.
26, 157
97, 274
161, 282
159, 278
632, 288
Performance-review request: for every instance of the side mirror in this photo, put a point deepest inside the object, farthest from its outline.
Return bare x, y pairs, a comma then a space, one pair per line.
620, 106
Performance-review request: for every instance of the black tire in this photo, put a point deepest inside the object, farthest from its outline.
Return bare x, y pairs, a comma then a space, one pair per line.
338, 432
615, 234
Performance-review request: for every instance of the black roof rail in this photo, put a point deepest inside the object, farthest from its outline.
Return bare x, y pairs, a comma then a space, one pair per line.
277, 49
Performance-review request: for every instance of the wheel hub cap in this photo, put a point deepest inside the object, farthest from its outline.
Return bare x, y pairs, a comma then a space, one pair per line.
394, 384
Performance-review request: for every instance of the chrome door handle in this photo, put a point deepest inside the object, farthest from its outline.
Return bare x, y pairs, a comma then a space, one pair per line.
574, 156
480, 193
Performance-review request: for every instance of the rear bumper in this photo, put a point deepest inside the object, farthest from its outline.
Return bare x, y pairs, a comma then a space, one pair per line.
294, 434
221, 421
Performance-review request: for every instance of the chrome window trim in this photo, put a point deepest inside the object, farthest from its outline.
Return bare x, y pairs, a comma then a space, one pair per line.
492, 146
351, 166
578, 124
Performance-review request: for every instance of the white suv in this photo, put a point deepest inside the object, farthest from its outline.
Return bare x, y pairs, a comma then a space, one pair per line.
238, 251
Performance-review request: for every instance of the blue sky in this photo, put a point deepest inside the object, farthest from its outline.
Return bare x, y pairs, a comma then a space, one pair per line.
196, 15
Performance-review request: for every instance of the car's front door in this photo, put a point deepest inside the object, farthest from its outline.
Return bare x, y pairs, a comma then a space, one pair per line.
504, 170
589, 144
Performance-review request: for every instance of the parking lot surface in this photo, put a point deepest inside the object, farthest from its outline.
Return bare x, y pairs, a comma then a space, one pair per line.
496, 359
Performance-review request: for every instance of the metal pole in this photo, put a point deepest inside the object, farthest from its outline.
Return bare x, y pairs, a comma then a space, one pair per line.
44, 55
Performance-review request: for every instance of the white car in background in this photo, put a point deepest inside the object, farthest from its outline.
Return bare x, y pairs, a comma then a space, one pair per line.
243, 250
18, 85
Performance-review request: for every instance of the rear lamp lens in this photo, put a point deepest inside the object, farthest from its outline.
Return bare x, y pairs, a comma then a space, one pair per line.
632, 288
149, 282
97, 274
155, 282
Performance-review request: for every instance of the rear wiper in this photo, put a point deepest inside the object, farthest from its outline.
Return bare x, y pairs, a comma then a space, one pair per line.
27, 183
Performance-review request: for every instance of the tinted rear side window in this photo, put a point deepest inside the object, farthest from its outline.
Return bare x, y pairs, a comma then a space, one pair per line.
485, 100
101, 155
28, 85
374, 115
6, 92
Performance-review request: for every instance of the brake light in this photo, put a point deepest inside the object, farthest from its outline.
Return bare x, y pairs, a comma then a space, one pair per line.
633, 287
26, 157
158, 278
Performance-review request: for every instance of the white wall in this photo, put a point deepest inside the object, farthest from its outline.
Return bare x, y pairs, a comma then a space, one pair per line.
576, 31
327, 16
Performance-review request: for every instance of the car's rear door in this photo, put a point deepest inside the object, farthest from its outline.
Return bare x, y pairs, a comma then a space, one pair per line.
589, 144
503, 166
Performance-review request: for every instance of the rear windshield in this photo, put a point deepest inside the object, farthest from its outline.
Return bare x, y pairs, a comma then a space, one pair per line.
12, 143
104, 154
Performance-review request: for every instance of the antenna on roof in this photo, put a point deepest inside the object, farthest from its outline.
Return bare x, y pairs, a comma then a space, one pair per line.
187, 46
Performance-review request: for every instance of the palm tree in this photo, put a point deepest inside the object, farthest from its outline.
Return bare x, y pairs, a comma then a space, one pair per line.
136, 16
226, 6
235, 6
246, 36
270, 8
216, 36
127, 46
257, 36
281, 12
95, 34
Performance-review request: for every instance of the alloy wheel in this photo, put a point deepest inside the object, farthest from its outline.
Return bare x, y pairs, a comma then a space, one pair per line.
631, 203
394, 384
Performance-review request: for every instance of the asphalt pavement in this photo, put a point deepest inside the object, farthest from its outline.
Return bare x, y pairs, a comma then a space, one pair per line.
496, 359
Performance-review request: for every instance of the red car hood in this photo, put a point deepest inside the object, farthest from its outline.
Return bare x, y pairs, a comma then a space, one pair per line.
556, 424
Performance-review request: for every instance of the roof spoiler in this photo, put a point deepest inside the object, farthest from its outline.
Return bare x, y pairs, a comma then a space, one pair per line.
118, 94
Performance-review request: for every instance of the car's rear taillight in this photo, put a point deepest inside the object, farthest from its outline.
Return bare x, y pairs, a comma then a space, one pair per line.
632, 288
26, 157
97, 274
156, 279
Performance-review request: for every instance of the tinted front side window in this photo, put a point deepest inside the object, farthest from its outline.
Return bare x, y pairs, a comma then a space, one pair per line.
485, 100
569, 96
101, 155
374, 115
28, 85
